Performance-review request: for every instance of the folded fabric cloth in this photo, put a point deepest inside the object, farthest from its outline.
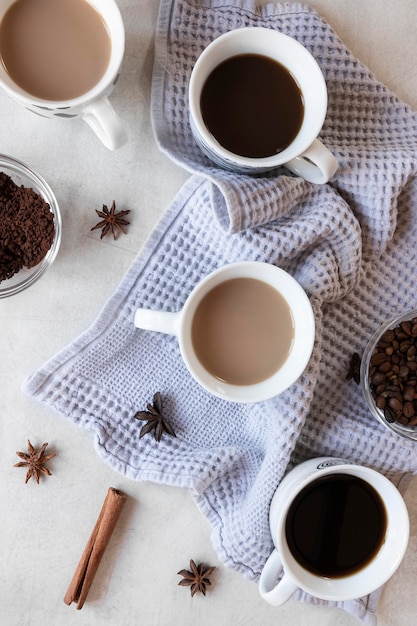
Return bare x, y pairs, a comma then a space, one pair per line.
351, 244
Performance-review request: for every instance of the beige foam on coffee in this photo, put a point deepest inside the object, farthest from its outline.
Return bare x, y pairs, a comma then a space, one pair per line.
242, 331
54, 50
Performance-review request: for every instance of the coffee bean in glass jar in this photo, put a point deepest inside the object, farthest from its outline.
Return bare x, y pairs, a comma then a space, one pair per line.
393, 373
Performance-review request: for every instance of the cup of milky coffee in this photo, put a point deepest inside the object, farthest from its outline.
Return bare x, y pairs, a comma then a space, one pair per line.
340, 532
246, 331
61, 58
257, 101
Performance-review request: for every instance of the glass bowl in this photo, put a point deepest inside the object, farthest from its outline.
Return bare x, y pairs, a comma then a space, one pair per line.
398, 379
21, 174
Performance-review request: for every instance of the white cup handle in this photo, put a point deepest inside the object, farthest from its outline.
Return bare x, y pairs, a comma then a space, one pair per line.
102, 118
316, 164
271, 591
159, 321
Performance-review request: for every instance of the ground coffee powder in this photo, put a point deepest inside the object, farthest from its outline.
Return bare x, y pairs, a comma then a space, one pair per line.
26, 227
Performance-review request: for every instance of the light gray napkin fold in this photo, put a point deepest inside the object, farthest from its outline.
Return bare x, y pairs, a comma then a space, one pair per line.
350, 243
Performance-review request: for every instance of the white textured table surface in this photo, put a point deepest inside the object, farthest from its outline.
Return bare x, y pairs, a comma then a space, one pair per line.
44, 527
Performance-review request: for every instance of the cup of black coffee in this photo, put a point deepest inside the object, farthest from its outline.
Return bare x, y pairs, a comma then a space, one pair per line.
340, 531
257, 101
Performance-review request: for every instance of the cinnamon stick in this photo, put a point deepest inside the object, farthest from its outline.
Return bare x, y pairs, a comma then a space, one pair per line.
95, 548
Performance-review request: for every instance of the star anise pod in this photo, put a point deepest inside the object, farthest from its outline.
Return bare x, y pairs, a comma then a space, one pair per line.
35, 461
198, 579
154, 419
110, 220
354, 368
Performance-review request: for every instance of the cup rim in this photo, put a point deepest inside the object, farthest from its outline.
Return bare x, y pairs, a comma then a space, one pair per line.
303, 319
371, 576
109, 76
207, 139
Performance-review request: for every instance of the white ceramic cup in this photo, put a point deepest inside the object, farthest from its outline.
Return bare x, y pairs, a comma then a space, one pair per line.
93, 106
180, 324
306, 156
282, 562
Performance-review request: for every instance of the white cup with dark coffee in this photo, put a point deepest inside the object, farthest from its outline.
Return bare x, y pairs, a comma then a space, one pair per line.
257, 101
246, 331
62, 59
340, 532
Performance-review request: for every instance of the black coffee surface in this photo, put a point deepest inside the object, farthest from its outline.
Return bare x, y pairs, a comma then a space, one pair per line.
252, 105
336, 526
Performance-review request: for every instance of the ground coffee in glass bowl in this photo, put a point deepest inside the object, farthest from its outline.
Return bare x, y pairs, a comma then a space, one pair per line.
30, 226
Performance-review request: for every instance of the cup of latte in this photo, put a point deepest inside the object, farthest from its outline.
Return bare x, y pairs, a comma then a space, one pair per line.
62, 59
246, 331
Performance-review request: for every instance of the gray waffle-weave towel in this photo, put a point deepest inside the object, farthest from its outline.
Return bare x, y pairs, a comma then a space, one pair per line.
351, 244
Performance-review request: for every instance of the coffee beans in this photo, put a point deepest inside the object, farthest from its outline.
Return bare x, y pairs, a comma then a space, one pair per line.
393, 373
